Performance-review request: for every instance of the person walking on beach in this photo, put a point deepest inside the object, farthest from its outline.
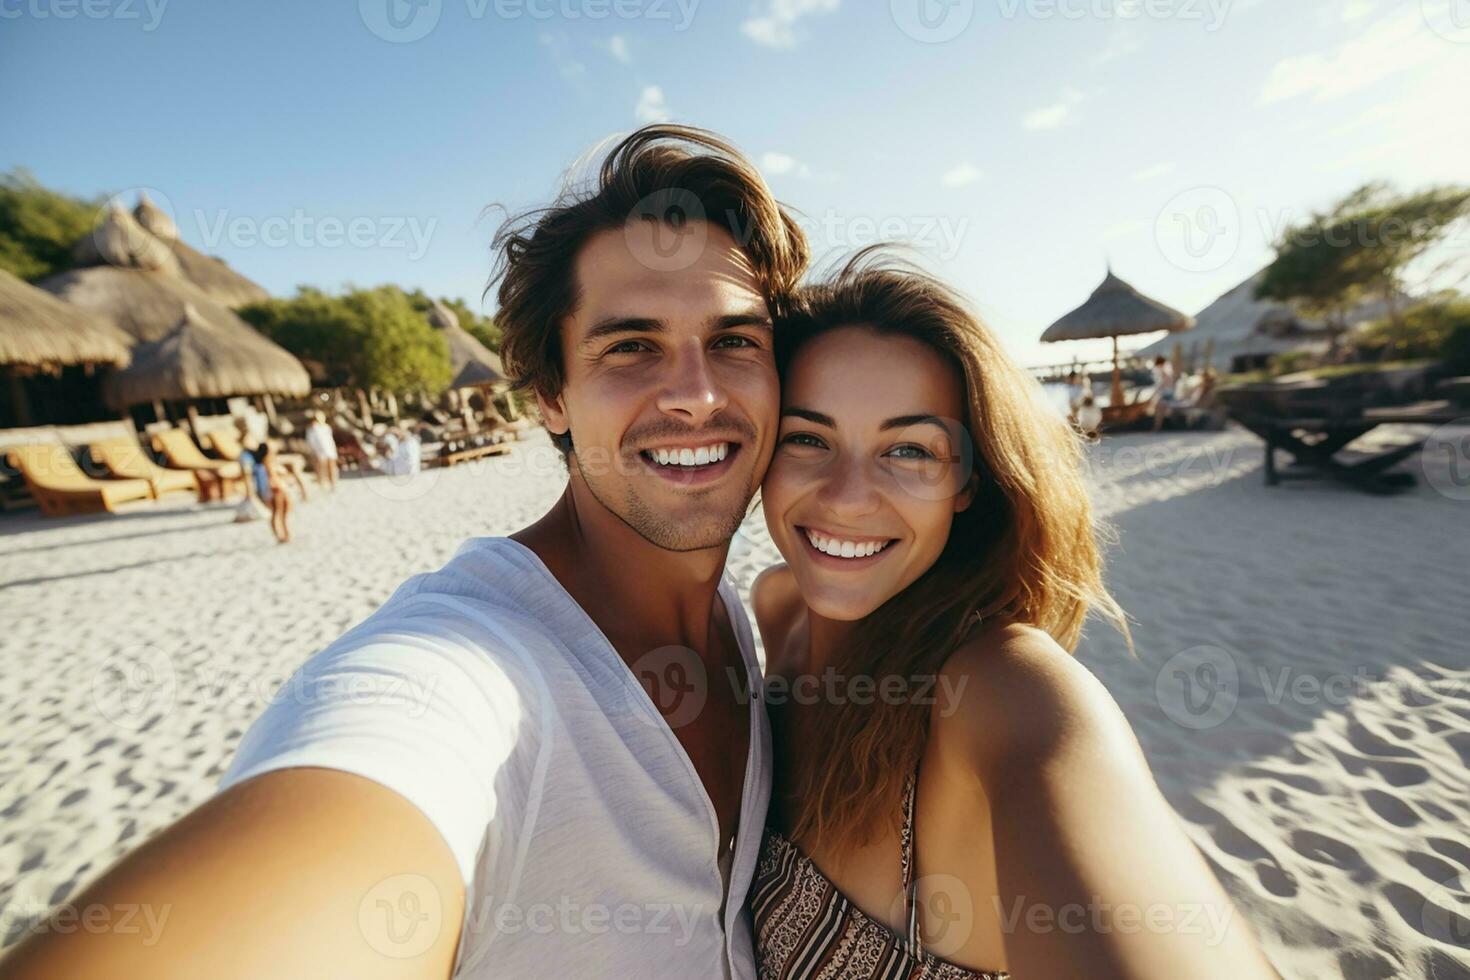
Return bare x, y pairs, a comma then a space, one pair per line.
1167, 381
272, 490
545, 758
322, 448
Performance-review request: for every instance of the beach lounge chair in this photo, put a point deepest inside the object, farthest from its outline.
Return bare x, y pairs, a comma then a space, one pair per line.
226, 442
60, 487
216, 477
123, 457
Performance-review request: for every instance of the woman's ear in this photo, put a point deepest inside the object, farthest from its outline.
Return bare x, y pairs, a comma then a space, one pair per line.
966, 496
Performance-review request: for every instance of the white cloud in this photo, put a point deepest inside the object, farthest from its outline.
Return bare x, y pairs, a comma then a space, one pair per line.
559, 48
617, 46
1054, 115
1123, 40
651, 106
1388, 46
1356, 9
774, 23
1156, 171
778, 164
965, 173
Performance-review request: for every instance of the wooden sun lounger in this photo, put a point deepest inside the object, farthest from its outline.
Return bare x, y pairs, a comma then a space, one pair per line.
217, 477
60, 487
1314, 424
123, 457
465, 455
227, 443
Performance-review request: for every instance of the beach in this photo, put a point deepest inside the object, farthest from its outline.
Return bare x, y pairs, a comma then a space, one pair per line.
1301, 686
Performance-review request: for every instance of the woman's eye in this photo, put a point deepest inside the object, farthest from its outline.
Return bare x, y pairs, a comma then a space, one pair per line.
910, 451
803, 439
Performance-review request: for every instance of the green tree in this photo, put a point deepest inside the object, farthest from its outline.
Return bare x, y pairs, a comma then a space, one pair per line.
1422, 331
365, 338
1361, 248
39, 227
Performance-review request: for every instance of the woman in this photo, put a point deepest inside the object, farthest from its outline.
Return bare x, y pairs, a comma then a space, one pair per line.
955, 796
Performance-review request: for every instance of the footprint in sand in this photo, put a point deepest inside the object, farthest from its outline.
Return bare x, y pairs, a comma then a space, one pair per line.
1276, 879
1326, 850
1390, 808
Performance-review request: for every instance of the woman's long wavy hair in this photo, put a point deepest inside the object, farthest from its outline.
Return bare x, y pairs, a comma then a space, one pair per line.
1027, 550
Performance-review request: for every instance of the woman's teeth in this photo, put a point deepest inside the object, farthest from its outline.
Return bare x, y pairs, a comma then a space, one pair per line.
838, 548
702, 456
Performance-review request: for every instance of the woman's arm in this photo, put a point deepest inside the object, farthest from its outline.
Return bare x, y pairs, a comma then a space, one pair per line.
1096, 875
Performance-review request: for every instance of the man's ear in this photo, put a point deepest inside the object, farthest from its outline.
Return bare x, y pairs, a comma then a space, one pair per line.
553, 413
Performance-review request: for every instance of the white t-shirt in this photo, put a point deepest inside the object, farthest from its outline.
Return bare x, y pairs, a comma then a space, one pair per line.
486, 696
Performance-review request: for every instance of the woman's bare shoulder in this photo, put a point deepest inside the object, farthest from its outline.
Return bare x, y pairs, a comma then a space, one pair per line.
1012, 695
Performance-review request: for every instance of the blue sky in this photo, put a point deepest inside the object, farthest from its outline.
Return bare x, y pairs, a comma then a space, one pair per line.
1017, 144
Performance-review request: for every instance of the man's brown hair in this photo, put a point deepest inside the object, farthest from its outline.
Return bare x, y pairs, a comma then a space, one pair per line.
659, 173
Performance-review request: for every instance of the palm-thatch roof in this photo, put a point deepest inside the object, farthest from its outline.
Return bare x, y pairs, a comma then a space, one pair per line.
39, 330
119, 240
197, 359
1242, 326
211, 275
145, 304
1116, 309
471, 362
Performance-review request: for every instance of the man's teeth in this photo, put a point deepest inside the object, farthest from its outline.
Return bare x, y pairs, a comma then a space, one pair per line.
702, 456
838, 548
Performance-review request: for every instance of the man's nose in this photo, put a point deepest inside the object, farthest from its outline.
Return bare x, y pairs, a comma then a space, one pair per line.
692, 391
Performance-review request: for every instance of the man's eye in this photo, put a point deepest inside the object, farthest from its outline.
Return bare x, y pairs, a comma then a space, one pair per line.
627, 347
735, 340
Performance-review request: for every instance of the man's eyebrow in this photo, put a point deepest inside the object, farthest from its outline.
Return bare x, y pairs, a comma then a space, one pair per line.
613, 325
810, 416
904, 421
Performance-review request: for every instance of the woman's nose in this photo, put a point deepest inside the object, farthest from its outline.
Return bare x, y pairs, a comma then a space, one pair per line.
850, 489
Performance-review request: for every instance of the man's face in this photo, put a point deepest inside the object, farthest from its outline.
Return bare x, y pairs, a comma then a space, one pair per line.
670, 389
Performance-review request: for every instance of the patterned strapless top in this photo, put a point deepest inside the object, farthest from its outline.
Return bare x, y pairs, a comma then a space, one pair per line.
806, 928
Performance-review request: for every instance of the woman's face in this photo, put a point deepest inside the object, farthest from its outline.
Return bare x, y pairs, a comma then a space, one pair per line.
865, 481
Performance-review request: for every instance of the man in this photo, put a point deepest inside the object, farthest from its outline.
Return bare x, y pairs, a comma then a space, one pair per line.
1166, 380
543, 759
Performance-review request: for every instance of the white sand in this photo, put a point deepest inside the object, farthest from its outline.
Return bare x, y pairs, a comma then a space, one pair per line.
1326, 780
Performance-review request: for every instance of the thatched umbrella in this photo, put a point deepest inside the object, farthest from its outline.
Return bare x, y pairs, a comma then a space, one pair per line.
38, 330
211, 275
1115, 309
198, 359
472, 363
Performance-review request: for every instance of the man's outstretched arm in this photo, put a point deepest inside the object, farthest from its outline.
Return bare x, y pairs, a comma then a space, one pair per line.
295, 873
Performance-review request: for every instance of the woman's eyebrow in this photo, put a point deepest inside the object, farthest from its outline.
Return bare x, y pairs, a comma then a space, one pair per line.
810, 416
904, 421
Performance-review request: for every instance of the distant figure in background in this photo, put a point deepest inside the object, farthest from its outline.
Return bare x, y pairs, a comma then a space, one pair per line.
402, 453
1089, 416
270, 484
323, 450
1076, 391
250, 508
1164, 397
